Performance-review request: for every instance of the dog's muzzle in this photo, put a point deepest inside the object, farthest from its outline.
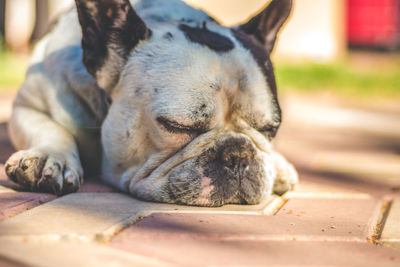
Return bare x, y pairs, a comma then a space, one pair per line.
231, 171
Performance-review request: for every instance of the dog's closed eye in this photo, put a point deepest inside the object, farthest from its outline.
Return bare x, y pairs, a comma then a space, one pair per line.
269, 131
177, 128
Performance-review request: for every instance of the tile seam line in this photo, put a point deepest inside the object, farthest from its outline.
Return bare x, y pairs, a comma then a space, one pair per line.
56, 238
32, 200
110, 232
106, 235
380, 221
254, 238
280, 203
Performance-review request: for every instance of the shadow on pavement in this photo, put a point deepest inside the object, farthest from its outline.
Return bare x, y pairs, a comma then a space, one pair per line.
358, 159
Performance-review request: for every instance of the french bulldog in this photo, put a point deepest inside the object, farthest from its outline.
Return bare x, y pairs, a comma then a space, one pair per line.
162, 100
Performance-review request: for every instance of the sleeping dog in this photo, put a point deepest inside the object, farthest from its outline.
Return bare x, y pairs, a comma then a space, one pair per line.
162, 100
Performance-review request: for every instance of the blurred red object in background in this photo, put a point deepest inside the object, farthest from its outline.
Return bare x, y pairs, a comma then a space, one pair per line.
373, 23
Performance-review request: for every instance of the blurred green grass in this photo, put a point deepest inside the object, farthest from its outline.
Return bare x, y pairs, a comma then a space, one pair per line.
12, 70
341, 78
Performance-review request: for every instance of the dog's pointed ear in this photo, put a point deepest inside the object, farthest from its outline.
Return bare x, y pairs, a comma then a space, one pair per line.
110, 30
265, 26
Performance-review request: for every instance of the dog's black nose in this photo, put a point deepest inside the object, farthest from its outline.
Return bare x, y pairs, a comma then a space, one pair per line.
236, 153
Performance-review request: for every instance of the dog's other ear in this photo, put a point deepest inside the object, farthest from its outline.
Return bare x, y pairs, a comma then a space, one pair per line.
110, 30
265, 26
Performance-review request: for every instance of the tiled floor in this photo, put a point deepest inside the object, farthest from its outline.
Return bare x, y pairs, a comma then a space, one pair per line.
345, 212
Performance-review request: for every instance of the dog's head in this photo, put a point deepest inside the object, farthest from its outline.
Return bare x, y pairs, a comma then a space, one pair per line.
194, 104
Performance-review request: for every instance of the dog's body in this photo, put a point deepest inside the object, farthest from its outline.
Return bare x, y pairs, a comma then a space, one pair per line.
186, 107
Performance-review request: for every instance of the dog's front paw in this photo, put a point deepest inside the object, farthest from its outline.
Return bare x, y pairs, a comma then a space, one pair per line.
45, 172
286, 175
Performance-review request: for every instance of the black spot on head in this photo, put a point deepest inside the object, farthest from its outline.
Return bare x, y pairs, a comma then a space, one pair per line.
156, 90
208, 38
203, 106
243, 81
139, 90
262, 58
186, 20
259, 53
215, 86
235, 107
168, 36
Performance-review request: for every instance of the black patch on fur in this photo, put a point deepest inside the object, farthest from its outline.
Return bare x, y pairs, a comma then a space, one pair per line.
215, 86
186, 20
168, 36
99, 30
262, 58
265, 26
258, 51
138, 90
208, 38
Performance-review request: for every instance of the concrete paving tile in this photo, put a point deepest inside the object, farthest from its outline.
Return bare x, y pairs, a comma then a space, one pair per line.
12, 203
50, 254
4, 189
300, 219
183, 252
385, 170
97, 216
348, 185
310, 189
332, 218
391, 244
391, 232
76, 216
4, 262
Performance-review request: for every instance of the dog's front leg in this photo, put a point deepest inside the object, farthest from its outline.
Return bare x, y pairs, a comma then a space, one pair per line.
286, 175
48, 159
